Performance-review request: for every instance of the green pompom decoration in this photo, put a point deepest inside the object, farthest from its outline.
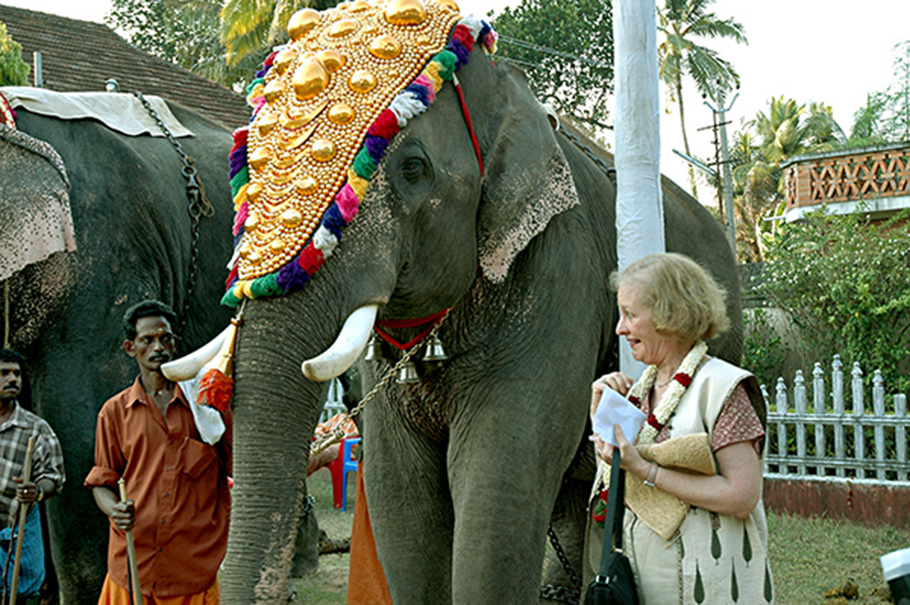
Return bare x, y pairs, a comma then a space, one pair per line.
253, 84
239, 180
364, 165
266, 286
229, 300
447, 60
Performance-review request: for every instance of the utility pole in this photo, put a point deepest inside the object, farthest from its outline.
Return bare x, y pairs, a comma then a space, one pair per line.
721, 114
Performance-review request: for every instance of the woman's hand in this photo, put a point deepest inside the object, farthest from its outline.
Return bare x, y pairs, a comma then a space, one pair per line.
617, 381
631, 462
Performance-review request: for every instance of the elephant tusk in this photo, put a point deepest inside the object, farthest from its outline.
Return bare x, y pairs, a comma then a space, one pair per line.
188, 366
346, 349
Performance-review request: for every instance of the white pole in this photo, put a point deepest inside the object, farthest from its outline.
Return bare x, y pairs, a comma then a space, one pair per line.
639, 207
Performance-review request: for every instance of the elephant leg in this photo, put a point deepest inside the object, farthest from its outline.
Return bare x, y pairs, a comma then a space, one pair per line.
410, 508
306, 551
505, 475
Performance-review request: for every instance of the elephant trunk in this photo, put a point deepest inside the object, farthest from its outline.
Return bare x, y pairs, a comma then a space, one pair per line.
270, 461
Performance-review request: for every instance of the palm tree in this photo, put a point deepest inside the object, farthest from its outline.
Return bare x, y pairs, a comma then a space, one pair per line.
785, 130
250, 28
784, 133
683, 22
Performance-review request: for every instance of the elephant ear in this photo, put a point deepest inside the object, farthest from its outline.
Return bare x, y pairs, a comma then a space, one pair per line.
527, 179
34, 202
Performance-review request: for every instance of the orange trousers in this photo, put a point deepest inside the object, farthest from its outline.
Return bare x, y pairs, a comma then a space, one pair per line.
366, 580
114, 594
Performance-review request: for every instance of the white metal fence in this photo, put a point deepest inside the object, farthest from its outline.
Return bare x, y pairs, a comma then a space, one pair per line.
815, 437
333, 401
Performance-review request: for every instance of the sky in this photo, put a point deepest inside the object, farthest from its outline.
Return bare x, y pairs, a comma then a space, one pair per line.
833, 51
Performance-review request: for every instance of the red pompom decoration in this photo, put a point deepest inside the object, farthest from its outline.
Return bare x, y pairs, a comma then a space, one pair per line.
652, 420
216, 390
385, 126
683, 379
463, 35
311, 258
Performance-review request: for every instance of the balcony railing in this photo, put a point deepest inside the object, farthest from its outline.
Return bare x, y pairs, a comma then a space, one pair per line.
878, 177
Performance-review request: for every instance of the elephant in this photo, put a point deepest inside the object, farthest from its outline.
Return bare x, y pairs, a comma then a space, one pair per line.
133, 241
465, 468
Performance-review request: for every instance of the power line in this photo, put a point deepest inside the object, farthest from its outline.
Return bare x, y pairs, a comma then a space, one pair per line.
552, 51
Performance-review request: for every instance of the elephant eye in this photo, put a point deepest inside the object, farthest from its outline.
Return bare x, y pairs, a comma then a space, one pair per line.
413, 168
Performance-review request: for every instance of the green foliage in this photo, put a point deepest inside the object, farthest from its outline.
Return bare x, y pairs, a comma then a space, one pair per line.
885, 118
13, 70
843, 280
566, 48
684, 23
184, 33
763, 348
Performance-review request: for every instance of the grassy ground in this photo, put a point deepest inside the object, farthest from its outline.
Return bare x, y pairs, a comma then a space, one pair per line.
808, 556
328, 584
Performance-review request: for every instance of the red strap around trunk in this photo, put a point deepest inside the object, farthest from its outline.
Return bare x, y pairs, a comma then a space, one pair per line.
432, 320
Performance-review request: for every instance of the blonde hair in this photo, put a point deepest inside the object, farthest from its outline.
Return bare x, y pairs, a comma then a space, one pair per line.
684, 300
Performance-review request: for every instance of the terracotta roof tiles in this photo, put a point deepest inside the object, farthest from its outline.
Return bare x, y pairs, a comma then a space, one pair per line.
81, 56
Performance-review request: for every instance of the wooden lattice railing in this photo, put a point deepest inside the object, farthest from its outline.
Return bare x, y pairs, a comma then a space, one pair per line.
866, 173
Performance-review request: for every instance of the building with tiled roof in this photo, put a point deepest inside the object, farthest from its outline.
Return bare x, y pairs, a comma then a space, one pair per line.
78, 56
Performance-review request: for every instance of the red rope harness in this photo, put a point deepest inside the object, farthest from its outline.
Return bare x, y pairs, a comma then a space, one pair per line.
467, 119
432, 320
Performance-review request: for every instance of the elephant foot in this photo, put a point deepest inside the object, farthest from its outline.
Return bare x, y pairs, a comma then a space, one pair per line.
329, 546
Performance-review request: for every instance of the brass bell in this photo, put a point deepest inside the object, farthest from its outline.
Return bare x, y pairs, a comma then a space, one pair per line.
374, 350
408, 374
435, 352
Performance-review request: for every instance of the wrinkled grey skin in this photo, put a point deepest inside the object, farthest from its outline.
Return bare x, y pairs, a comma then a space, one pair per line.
132, 230
462, 470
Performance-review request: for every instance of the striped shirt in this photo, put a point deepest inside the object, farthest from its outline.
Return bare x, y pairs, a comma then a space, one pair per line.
47, 457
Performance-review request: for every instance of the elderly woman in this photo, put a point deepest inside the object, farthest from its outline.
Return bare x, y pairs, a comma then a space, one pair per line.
694, 526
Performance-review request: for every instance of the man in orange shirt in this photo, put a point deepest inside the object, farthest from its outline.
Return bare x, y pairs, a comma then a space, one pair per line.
179, 501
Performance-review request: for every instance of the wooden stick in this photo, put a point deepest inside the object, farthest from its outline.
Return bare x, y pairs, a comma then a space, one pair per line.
23, 511
131, 561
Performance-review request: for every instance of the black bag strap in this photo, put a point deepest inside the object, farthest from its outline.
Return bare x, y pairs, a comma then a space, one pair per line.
615, 511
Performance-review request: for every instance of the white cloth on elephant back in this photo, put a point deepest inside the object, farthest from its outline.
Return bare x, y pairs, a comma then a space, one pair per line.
118, 111
34, 197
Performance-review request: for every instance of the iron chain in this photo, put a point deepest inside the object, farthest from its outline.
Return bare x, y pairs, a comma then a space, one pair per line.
308, 505
560, 594
607, 170
563, 558
338, 434
199, 205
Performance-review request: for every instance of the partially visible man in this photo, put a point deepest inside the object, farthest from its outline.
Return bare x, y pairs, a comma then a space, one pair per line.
178, 485
17, 425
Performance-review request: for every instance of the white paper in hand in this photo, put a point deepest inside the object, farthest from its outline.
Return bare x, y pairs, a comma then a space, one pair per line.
616, 409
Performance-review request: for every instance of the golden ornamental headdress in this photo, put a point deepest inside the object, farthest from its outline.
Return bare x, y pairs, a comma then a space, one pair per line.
326, 106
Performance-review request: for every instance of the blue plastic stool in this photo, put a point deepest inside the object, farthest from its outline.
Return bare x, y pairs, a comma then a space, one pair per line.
340, 467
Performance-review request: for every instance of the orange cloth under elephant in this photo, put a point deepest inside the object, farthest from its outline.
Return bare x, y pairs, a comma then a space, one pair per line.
343, 420
366, 579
